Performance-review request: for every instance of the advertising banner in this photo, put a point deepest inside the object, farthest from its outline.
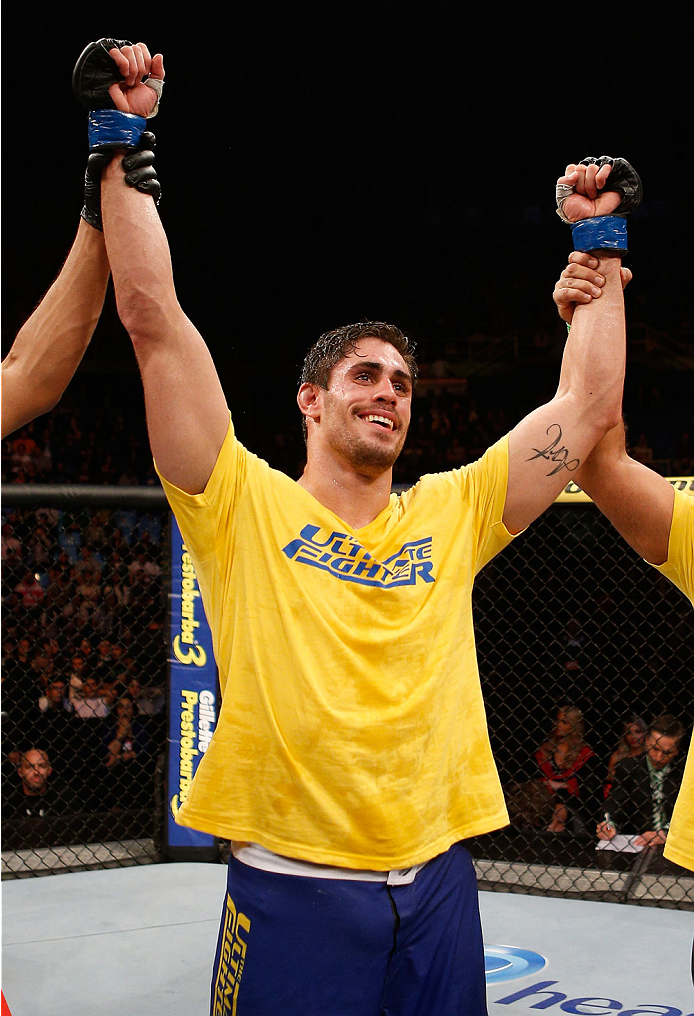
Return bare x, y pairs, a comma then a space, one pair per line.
192, 698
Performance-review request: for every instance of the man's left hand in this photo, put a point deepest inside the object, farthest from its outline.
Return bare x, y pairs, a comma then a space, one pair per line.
652, 838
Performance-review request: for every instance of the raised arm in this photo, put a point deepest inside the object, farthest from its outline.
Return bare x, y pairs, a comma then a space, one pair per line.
547, 448
187, 415
637, 501
49, 346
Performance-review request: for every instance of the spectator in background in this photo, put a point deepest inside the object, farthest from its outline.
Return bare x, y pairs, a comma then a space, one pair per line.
54, 699
147, 701
632, 744
34, 796
87, 703
11, 546
52, 727
127, 758
645, 788
76, 676
30, 592
684, 454
642, 451
569, 769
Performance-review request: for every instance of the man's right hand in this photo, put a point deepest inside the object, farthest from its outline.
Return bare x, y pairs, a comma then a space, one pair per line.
132, 94
606, 831
581, 282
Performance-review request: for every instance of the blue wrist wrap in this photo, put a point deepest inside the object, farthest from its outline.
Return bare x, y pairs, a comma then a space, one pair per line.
604, 232
109, 128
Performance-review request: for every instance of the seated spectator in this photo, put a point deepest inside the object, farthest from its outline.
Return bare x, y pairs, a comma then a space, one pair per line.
87, 703
569, 769
645, 788
103, 665
35, 795
127, 758
632, 743
148, 701
55, 697
30, 592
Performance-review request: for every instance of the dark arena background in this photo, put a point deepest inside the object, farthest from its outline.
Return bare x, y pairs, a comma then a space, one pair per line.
312, 177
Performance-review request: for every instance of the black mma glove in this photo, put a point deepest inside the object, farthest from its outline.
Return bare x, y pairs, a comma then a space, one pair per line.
605, 232
110, 129
140, 173
92, 76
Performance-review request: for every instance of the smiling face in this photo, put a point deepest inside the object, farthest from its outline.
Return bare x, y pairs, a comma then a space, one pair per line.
363, 415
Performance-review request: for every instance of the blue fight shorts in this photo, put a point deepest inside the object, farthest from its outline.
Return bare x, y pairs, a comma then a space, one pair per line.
291, 945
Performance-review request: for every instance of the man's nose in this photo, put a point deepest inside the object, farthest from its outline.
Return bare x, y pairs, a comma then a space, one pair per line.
385, 390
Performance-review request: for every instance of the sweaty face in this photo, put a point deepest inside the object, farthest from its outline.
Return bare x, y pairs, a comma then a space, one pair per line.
365, 413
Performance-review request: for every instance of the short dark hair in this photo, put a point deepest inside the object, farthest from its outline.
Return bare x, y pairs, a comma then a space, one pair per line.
335, 345
667, 726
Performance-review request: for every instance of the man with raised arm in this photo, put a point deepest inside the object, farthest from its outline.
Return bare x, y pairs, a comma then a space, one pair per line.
351, 755
655, 519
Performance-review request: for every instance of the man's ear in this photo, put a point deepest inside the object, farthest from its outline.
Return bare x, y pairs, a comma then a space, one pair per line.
308, 398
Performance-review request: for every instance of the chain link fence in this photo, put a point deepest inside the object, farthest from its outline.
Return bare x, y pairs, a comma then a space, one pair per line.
569, 623
84, 593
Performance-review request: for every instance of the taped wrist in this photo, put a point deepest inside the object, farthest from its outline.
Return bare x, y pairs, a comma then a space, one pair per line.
109, 128
603, 232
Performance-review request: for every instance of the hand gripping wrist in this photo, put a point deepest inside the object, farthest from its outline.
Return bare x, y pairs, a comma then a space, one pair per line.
139, 168
91, 210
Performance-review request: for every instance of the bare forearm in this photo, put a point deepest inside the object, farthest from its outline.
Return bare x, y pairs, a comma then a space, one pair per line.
175, 364
637, 501
140, 260
595, 353
49, 346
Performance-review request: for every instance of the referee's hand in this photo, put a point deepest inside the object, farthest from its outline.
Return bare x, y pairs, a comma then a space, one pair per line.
581, 282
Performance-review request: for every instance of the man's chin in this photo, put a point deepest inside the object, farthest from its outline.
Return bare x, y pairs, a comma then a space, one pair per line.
374, 456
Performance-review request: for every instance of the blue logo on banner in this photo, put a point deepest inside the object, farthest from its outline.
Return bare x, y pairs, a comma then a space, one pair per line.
192, 688
506, 963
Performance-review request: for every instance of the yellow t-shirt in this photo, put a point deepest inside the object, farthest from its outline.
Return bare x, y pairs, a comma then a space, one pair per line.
352, 729
679, 568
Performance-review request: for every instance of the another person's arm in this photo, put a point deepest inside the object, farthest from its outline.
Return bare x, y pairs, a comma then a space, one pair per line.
637, 501
49, 347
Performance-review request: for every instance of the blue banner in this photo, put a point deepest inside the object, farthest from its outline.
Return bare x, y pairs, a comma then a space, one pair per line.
192, 689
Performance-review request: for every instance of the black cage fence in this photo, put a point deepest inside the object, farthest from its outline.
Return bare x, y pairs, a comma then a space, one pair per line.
581, 647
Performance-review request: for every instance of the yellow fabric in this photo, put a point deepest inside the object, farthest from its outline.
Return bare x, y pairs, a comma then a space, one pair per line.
679, 568
679, 846
352, 729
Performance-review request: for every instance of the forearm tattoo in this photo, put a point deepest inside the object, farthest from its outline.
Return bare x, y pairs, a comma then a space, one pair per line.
555, 452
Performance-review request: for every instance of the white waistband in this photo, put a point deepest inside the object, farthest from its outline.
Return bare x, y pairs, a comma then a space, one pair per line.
259, 857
